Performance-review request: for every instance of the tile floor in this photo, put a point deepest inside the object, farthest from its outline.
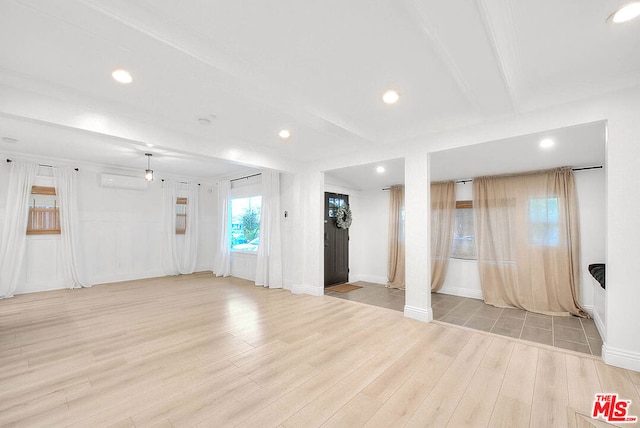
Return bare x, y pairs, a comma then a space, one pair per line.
572, 333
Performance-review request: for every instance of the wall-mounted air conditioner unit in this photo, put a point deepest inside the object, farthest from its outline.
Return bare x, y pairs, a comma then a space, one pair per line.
123, 182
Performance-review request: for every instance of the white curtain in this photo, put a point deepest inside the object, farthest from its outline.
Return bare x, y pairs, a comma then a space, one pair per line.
169, 249
269, 263
187, 260
174, 261
222, 265
14, 235
70, 250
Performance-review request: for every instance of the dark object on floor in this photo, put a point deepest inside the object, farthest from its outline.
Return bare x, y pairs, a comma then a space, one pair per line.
597, 271
343, 288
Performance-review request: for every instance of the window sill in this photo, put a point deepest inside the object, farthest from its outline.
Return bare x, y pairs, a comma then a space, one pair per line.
255, 253
463, 260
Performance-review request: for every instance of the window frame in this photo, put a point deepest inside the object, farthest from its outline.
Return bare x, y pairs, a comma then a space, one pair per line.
181, 201
33, 211
467, 204
546, 239
231, 230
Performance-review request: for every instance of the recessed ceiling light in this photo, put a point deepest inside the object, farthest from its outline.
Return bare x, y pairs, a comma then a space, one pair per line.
380, 169
148, 144
625, 13
390, 97
122, 76
284, 134
9, 140
546, 143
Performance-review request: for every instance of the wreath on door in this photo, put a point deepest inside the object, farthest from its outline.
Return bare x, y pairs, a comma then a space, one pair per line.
343, 217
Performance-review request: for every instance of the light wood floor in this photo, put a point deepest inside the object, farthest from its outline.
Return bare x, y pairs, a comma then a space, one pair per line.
200, 351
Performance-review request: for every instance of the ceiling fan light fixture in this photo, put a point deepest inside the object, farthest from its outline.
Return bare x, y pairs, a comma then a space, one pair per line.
148, 173
625, 13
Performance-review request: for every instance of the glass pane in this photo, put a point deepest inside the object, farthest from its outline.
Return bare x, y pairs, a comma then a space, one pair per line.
464, 244
544, 229
245, 223
43, 213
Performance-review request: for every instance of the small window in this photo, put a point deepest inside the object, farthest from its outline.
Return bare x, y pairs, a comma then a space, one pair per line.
245, 223
44, 216
544, 229
181, 216
464, 241
334, 204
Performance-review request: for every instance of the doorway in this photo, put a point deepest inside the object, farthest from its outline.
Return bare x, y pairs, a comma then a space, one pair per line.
336, 242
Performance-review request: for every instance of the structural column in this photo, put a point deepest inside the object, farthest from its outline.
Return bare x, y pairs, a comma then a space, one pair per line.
417, 238
622, 337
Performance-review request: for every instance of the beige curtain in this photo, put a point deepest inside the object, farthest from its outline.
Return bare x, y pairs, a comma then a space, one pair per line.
395, 267
443, 206
526, 229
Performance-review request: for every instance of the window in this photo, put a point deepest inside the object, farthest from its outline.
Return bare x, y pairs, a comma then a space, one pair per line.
544, 228
245, 223
334, 204
44, 218
181, 216
464, 243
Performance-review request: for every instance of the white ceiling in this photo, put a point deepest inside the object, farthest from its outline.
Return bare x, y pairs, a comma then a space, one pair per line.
366, 177
576, 146
316, 68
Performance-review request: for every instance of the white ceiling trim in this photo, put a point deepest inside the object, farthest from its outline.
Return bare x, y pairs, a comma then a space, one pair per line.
498, 50
417, 11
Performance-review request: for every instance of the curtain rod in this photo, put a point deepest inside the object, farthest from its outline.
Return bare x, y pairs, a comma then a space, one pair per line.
468, 180
46, 166
248, 176
181, 182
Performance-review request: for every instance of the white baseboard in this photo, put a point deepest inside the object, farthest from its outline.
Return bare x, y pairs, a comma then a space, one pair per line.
307, 289
462, 292
368, 278
126, 277
621, 358
589, 308
599, 324
58, 286
419, 314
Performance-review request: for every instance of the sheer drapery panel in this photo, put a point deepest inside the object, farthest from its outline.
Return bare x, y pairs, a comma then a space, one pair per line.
443, 206
269, 260
396, 261
526, 229
222, 264
71, 253
14, 232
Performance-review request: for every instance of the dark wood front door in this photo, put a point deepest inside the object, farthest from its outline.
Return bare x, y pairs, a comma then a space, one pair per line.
336, 242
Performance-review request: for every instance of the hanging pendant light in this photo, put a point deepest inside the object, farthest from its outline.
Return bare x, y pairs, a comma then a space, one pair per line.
148, 173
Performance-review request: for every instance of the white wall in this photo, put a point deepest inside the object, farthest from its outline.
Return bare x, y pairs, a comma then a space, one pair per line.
591, 189
120, 232
290, 235
369, 236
